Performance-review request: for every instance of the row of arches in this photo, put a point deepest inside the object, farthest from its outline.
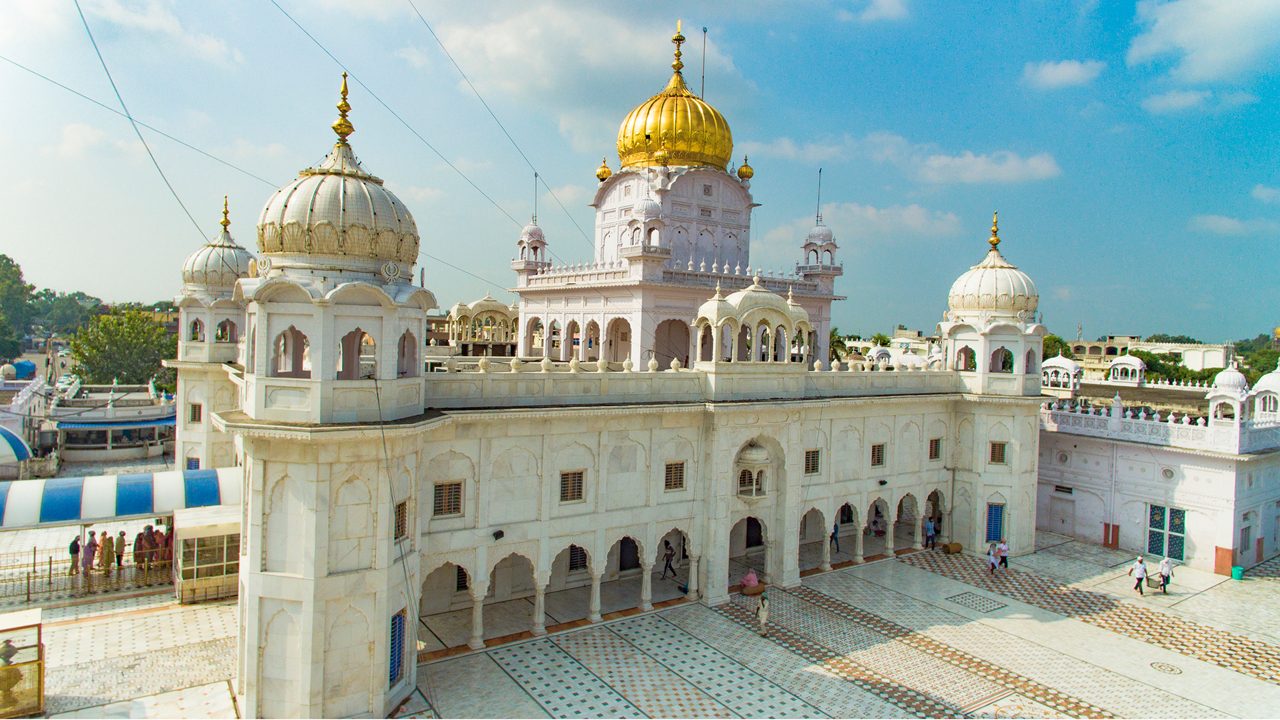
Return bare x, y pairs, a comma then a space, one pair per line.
761, 343
224, 332
356, 357
1000, 361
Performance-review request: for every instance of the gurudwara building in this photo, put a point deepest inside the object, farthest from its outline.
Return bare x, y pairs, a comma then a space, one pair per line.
663, 393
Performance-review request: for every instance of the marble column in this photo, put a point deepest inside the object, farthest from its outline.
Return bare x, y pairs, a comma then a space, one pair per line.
539, 608
891, 529
917, 532
594, 611
477, 617
857, 544
826, 554
692, 593
646, 587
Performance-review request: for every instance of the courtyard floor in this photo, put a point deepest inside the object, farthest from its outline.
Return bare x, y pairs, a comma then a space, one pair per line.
925, 634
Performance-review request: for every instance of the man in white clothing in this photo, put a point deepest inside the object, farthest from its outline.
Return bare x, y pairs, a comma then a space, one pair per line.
1166, 572
1139, 571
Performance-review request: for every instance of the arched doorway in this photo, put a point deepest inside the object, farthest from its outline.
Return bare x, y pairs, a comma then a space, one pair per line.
617, 344
679, 577
510, 581
533, 339
878, 538
847, 546
934, 509
671, 341
748, 550
908, 524
591, 342
815, 542
572, 341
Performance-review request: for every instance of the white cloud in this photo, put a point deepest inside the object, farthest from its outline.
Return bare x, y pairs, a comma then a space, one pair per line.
570, 195
1223, 225
1211, 40
1063, 292
1266, 194
1003, 166
156, 17
416, 193
856, 223
77, 139
416, 57
1050, 75
1183, 100
1175, 101
877, 10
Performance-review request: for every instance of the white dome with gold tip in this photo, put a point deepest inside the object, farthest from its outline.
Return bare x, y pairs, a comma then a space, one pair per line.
337, 210
219, 263
994, 285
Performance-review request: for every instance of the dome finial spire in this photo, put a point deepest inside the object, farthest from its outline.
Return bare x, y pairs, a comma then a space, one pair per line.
995, 230
342, 126
226, 220
678, 39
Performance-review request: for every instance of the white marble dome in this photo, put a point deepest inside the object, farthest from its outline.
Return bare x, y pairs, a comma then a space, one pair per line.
756, 296
648, 209
217, 264
820, 234
1062, 362
1231, 379
336, 209
1269, 382
532, 233
994, 285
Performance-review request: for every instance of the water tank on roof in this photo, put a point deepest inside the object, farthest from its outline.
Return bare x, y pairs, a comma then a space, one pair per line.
26, 369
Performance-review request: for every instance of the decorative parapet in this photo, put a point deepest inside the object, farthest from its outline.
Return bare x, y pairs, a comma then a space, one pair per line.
1179, 430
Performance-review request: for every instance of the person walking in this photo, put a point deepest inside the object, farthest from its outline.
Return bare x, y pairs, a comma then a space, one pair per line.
108, 553
762, 615
74, 551
992, 559
930, 534
1166, 574
1139, 571
668, 554
87, 554
835, 536
120, 543
1004, 553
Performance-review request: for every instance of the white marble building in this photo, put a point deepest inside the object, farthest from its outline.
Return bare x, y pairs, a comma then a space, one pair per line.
375, 492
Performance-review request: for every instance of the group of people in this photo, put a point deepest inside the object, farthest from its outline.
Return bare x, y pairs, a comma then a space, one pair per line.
998, 556
151, 547
1139, 571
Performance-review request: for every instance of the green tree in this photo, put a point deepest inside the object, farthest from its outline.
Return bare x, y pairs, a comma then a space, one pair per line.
10, 347
126, 346
837, 347
1053, 345
15, 297
1168, 366
58, 313
881, 340
1163, 338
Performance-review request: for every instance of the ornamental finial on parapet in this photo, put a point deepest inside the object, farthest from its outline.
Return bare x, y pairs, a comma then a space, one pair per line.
995, 230
342, 126
678, 39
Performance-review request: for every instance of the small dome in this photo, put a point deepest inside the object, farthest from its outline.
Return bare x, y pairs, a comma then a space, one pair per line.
648, 209
1231, 379
756, 296
603, 172
745, 171
218, 263
488, 304
336, 209
1127, 360
8, 372
798, 314
820, 234
753, 454
531, 233
994, 285
1062, 362
716, 309
675, 127
1269, 382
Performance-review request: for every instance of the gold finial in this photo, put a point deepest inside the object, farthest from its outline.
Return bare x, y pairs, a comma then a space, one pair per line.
226, 220
745, 171
342, 126
603, 172
678, 39
995, 230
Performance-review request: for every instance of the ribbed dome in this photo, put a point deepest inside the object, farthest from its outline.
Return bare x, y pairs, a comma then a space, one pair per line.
1269, 382
648, 209
218, 263
532, 233
756, 296
488, 304
716, 309
1231, 379
682, 129
338, 210
753, 454
820, 234
994, 285
1061, 362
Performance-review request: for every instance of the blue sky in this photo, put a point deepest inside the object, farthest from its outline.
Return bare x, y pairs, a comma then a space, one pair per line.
1131, 148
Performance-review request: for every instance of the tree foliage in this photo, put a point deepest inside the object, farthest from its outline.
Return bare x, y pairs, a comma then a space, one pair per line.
1053, 346
1168, 366
10, 347
1163, 338
122, 345
56, 313
881, 340
15, 298
836, 347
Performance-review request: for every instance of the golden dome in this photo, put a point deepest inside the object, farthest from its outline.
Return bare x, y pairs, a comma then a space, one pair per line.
745, 171
675, 127
603, 172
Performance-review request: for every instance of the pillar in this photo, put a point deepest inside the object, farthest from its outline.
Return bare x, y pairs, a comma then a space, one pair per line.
826, 554
646, 587
857, 545
917, 530
539, 607
692, 593
477, 616
891, 528
594, 608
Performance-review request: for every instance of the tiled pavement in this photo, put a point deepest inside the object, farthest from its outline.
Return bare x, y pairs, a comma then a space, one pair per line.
1269, 570
1220, 647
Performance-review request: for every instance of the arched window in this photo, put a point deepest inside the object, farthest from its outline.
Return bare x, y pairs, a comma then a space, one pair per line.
966, 359
1224, 411
762, 343
292, 355
654, 237
1268, 403
1001, 361
750, 483
196, 331
407, 356
1031, 362
226, 332
357, 356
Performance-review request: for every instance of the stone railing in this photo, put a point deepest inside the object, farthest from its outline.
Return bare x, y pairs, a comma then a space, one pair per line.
1152, 428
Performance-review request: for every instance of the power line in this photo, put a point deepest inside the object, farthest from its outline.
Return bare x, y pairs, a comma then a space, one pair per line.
503, 128
134, 125
394, 114
152, 128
